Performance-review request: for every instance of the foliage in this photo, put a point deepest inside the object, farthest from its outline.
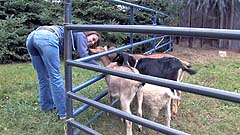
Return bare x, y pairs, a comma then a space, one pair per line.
19, 17
170, 8
12, 34
97, 12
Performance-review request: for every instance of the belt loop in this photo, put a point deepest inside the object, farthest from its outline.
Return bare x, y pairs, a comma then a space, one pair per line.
50, 29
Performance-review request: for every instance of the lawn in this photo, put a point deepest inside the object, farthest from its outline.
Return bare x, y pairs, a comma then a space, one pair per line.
20, 115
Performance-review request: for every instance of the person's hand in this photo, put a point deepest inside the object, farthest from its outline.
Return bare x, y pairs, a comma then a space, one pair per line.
111, 47
96, 50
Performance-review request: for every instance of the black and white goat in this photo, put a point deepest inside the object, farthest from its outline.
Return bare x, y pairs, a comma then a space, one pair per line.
165, 67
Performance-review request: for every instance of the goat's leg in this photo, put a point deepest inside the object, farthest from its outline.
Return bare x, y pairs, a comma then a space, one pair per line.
174, 108
180, 78
168, 113
125, 106
179, 95
139, 102
122, 119
176, 102
154, 113
109, 100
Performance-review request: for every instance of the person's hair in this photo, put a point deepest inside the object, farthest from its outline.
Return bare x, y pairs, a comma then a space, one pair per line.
88, 33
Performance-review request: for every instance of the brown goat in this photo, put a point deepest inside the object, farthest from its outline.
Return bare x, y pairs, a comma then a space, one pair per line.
125, 90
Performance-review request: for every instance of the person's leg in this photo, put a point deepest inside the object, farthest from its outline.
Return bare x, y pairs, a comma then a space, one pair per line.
52, 62
50, 55
45, 97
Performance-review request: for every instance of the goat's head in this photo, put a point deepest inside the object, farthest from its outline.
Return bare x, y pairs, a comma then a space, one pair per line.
123, 59
97, 50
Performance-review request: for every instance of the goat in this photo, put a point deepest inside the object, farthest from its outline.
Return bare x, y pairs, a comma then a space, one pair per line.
107, 59
125, 90
100, 49
166, 67
155, 98
137, 56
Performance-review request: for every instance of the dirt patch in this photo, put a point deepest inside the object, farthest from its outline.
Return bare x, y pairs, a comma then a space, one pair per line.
201, 55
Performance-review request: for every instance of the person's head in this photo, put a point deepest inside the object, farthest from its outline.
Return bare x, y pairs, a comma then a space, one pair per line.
93, 38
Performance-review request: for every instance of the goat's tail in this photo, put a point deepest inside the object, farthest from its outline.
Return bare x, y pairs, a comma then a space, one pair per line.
185, 63
189, 70
173, 96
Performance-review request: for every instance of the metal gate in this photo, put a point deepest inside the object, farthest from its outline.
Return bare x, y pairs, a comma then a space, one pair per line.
69, 63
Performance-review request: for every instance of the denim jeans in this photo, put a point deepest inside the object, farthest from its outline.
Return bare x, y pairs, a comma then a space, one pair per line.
43, 48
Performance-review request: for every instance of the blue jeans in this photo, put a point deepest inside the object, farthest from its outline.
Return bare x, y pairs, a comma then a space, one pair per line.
43, 48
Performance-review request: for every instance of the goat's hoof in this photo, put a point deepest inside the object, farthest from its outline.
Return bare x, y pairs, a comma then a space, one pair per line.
173, 116
122, 120
178, 103
139, 128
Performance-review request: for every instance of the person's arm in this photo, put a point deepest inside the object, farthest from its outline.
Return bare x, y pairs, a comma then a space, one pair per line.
105, 59
80, 41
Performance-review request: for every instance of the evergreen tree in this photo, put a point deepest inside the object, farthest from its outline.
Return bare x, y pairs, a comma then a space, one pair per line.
17, 19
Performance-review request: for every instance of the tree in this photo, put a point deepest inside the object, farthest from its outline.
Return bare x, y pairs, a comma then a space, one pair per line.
17, 19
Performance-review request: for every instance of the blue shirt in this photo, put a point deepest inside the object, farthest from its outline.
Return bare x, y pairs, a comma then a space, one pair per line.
79, 42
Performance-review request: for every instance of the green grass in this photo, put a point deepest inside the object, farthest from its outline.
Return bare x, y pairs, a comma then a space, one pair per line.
20, 115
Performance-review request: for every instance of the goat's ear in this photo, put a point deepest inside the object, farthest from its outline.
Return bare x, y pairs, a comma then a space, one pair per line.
131, 61
119, 59
125, 59
140, 85
116, 57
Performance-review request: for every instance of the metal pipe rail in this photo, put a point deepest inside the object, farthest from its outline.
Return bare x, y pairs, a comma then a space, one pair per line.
134, 6
95, 117
193, 32
85, 106
196, 89
137, 6
125, 115
201, 32
151, 50
95, 56
181, 31
83, 127
87, 83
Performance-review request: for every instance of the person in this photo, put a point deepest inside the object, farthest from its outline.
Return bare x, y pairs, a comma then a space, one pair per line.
45, 45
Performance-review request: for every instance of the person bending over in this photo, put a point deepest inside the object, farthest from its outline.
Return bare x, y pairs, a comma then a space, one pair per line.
45, 45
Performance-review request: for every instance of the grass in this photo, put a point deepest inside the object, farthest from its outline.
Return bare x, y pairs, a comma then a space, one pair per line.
20, 115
